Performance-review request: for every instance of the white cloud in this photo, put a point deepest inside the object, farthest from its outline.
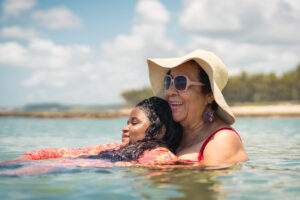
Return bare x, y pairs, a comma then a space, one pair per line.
57, 18
209, 16
262, 22
152, 11
52, 64
56, 78
41, 53
251, 36
16, 32
16, 7
12, 53
122, 64
249, 57
256, 36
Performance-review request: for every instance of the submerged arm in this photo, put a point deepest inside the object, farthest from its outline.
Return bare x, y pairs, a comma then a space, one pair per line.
66, 152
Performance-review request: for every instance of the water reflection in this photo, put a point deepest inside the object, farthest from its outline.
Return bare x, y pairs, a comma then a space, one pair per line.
182, 183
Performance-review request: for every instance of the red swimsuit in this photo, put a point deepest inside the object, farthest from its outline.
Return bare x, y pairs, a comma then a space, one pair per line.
200, 157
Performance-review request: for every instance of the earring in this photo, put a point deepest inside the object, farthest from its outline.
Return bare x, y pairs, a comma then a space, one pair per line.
208, 116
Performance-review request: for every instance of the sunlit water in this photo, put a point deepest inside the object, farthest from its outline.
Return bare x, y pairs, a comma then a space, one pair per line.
272, 172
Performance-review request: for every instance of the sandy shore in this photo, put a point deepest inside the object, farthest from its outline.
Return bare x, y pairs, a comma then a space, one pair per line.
283, 110
106, 114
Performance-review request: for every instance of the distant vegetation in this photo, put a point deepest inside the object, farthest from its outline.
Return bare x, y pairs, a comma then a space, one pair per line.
245, 88
45, 107
263, 87
132, 97
39, 107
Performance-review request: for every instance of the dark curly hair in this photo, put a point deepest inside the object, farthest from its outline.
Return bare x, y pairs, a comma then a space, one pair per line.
159, 114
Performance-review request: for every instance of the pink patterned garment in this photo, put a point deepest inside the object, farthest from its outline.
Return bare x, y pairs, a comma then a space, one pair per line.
68, 152
158, 155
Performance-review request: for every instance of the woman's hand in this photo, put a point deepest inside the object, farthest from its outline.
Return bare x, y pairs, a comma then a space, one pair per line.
17, 160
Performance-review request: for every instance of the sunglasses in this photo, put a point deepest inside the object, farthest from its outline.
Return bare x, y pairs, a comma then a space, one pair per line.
181, 83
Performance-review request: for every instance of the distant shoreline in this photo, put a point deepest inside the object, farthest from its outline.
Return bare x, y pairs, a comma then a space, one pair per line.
70, 114
282, 110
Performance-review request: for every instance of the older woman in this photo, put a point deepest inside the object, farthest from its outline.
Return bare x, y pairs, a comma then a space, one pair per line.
192, 86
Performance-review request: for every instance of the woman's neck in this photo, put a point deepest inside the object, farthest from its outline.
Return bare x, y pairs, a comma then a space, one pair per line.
198, 131
193, 133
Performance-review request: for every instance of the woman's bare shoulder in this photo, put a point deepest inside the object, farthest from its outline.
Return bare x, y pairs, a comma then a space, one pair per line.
225, 147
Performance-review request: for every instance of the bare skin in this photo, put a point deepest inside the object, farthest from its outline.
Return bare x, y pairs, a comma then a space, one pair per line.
134, 131
188, 107
136, 127
137, 124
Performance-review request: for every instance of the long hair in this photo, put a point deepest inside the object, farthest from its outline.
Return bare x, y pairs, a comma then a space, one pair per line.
159, 114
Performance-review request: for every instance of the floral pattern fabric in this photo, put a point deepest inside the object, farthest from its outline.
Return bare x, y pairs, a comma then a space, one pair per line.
68, 152
158, 155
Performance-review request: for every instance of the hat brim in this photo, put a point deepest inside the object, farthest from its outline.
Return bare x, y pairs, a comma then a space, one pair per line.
159, 67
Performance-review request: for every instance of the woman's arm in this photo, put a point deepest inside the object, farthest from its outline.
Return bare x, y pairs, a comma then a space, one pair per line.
66, 152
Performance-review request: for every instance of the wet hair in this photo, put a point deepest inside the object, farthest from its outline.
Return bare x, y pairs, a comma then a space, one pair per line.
159, 114
203, 78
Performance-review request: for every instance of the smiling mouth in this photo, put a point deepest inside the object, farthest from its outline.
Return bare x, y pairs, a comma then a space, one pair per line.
175, 105
125, 136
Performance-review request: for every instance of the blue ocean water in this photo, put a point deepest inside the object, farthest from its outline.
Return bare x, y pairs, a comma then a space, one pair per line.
272, 171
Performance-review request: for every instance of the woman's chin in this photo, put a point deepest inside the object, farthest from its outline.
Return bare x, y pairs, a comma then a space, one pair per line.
177, 117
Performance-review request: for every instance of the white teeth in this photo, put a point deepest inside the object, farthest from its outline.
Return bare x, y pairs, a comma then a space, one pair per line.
177, 103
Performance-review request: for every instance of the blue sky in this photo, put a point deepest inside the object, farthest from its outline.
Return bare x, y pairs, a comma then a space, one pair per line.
88, 52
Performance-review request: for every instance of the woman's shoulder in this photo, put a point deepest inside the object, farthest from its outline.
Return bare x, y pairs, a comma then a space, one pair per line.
226, 133
221, 131
225, 145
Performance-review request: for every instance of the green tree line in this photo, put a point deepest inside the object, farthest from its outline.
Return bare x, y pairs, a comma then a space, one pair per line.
245, 87
132, 97
259, 87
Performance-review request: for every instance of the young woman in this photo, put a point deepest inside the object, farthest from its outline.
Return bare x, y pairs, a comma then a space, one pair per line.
150, 126
150, 137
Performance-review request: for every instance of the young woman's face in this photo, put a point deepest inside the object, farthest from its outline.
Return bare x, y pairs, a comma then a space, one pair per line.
137, 124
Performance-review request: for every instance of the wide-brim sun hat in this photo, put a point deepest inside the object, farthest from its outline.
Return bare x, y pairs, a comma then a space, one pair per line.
209, 62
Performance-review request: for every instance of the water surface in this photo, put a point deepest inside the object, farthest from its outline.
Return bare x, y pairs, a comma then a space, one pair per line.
272, 171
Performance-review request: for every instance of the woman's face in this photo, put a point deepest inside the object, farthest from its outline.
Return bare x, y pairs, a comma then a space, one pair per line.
187, 107
137, 124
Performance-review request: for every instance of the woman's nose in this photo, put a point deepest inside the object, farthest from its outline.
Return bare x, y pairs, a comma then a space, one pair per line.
125, 129
171, 91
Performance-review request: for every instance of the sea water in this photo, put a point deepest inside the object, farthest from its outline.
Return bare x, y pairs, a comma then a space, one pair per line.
272, 171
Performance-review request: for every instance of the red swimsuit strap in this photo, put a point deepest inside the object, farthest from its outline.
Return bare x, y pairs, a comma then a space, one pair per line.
200, 157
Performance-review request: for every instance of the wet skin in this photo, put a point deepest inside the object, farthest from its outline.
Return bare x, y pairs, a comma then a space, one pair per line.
190, 104
188, 108
136, 126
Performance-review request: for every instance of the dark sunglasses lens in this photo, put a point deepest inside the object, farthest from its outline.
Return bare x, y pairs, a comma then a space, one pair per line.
180, 82
167, 82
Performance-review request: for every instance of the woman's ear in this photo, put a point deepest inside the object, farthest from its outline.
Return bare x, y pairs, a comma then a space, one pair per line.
210, 98
162, 133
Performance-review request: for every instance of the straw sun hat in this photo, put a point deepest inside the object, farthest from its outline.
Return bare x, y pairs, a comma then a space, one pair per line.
209, 62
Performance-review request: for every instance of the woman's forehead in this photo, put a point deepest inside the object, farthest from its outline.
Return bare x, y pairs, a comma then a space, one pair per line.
136, 110
190, 69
